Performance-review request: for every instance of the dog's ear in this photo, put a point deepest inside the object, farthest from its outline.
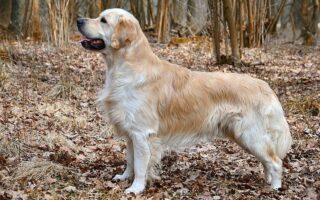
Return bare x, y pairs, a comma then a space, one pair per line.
124, 33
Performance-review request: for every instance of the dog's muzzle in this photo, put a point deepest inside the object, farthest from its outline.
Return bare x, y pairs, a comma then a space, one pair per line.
87, 42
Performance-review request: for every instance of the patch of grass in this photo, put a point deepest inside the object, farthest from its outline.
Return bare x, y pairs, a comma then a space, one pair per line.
4, 75
5, 54
114, 196
305, 105
38, 169
53, 139
12, 147
65, 88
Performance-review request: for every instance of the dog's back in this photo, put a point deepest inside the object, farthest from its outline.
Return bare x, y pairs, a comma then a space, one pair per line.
194, 105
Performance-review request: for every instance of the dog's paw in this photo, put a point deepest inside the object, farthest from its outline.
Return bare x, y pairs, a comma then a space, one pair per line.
135, 188
121, 177
276, 185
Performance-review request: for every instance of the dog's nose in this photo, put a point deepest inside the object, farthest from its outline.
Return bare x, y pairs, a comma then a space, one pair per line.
80, 22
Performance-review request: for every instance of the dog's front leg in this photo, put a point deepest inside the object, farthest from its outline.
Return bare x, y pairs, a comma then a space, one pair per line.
142, 155
128, 172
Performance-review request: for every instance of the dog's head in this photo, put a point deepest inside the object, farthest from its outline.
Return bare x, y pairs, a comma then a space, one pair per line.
113, 29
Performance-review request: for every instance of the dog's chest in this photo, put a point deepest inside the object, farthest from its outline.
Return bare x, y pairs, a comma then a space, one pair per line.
121, 100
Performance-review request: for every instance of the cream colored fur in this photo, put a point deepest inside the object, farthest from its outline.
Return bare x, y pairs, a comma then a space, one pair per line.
155, 104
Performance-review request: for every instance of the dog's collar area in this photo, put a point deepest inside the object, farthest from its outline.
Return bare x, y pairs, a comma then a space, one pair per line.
93, 44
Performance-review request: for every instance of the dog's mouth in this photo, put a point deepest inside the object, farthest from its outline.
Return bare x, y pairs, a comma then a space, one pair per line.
93, 43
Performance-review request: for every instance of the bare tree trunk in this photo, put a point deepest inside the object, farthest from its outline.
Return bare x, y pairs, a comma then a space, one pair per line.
240, 24
5, 13
293, 27
105, 4
163, 21
305, 19
35, 25
310, 18
227, 10
315, 17
59, 20
20, 16
216, 28
225, 35
142, 13
140, 9
272, 27
197, 15
150, 13
250, 25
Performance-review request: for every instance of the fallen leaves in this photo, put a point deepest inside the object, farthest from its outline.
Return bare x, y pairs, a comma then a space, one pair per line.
54, 143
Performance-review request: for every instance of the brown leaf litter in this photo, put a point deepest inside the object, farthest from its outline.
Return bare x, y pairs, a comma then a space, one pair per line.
54, 143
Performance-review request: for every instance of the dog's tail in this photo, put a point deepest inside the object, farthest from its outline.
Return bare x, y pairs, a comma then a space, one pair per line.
284, 140
278, 127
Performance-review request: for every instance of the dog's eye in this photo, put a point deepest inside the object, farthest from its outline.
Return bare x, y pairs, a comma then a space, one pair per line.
103, 20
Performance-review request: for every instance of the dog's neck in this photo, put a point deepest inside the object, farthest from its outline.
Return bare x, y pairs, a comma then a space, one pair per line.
135, 52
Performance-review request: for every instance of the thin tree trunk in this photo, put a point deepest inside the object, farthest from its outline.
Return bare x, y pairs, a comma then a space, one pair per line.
226, 37
315, 20
293, 27
35, 26
216, 29
150, 13
240, 25
227, 9
5, 13
163, 20
250, 21
59, 21
272, 27
105, 4
141, 13
305, 20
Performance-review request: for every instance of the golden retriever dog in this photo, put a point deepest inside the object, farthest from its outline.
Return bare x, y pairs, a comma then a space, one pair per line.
154, 104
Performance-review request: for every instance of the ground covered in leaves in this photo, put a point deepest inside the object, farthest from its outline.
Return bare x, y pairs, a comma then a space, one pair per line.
54, 143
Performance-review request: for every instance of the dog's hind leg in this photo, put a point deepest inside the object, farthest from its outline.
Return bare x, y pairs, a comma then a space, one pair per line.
267, 173
155, 159
142, 153
253, 138
128, 172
